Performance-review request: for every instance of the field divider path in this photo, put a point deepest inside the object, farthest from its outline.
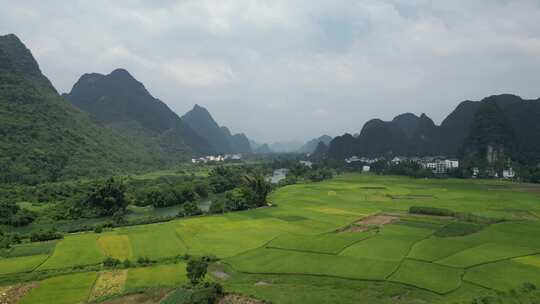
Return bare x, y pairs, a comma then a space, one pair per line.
302, 250
487, 263
93, 286
358, 241
182, 239
410, 249
39, 265
333, 276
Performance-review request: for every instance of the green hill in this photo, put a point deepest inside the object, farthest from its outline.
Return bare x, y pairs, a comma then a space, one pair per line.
119, 101
506, 123
42, 137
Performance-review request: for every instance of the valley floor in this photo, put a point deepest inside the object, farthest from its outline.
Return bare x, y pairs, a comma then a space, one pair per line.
312, 246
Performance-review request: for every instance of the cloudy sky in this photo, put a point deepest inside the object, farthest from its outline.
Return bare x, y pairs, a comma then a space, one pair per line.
292, 69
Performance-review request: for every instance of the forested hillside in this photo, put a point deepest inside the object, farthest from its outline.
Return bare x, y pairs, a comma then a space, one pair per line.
42, 137
505, 123
119, 101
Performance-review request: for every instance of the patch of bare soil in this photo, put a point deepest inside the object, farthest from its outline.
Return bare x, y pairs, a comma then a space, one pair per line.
238, 299
220, 275
13, 294
370, 223
109, 283
150, 297
378, 220
263, 283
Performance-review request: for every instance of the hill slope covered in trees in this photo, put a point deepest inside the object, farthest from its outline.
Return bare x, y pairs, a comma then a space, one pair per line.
505, 125
42, 137
119, 101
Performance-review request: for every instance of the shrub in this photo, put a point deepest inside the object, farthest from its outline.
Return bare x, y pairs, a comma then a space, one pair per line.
217, 206
190, 209
40, 236
144, 261
127, 263
431, 211
196, 270
98, 229
218, 289
111, 262
528, 287
458, 229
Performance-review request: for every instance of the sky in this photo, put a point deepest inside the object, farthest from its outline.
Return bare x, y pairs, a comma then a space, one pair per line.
284, 70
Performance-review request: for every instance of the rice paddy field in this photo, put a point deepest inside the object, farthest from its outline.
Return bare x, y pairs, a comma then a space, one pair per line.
345, 240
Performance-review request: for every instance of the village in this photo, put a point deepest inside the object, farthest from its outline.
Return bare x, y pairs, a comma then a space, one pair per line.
439, 165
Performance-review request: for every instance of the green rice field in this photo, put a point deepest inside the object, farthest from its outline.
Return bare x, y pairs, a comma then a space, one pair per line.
350, 238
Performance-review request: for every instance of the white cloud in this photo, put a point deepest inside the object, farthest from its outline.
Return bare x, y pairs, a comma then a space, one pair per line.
292, 68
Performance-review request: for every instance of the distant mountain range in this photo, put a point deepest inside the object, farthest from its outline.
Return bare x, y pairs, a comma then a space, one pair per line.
110, 123
310, 146
122, 103
107, 124
220, 138
505, 125
289, 146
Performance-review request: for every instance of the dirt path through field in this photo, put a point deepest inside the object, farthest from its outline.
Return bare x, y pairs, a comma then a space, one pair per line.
13, 294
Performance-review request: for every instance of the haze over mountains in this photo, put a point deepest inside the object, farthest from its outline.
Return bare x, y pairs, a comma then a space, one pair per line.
109, 123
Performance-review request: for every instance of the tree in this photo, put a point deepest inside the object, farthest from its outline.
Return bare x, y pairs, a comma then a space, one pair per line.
108, 198
190, 209
196, 270
260, 187
12, 214
217, 206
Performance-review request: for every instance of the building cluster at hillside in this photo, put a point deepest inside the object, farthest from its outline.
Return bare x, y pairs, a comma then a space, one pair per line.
216, 158
438, 165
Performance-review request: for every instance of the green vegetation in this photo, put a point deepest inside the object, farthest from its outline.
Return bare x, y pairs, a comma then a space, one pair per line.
293, 262
62, 290
323, 243
21, 264
434, 277
458, 229
504, 275
196, 270
44, 138
155, 276
350, 232
75, 250
431, 211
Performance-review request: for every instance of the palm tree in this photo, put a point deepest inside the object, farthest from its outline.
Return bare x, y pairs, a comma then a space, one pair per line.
258, 184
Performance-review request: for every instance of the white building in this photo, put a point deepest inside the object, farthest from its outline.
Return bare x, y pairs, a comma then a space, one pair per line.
366, 168
396, 160
306, 163
353, 159
441, 166
509, 174
452, 163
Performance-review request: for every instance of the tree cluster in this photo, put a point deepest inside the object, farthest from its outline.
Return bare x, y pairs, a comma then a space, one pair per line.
13, 215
